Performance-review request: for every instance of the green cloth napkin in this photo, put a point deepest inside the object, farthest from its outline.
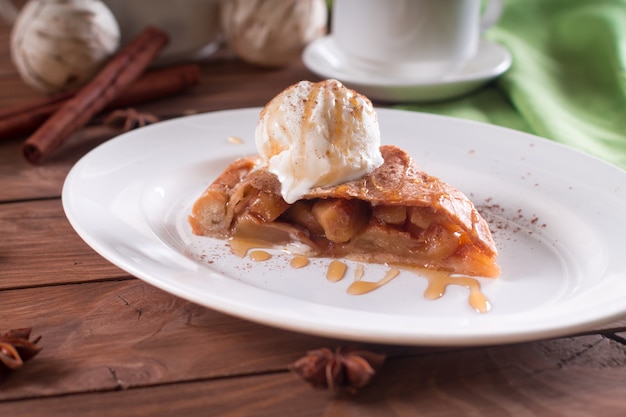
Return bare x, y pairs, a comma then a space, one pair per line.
568, 78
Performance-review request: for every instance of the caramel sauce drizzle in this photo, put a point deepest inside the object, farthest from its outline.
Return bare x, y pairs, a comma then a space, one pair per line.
359, 272
336, 271
438, 281
299, 261
260, 255
236, 140
359, 287
240, 247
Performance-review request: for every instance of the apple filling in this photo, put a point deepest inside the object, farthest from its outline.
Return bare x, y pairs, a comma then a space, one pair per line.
395, 215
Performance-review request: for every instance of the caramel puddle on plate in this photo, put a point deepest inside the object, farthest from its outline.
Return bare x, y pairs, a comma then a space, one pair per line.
336, 271
438, 282
299, 261
359, 272
240, 247
359, 287
236, 140
260, 255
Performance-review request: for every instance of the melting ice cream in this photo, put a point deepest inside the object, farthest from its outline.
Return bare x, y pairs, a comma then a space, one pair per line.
318, 134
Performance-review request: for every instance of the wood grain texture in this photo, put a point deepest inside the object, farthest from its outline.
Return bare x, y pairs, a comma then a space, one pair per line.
112, 335
565, 377
21, 181
40, 247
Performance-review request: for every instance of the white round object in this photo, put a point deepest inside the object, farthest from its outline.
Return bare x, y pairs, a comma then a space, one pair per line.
60, 45
272, 32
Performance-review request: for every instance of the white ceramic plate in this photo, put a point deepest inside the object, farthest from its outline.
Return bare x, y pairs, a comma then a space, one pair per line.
324, 59
557, 217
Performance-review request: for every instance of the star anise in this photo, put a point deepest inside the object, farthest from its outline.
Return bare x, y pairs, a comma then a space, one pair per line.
15, 349
129, 119
344, 368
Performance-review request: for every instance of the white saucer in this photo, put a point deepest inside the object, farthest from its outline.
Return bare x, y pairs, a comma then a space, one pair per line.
324, 59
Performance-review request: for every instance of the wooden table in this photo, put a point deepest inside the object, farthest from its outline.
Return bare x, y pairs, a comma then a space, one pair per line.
114, 345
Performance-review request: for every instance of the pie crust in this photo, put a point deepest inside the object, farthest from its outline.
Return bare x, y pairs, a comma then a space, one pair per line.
396, 215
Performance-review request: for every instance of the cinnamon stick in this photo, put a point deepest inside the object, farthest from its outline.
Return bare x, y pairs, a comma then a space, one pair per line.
117, 75
158, 83
25, 119
35, 106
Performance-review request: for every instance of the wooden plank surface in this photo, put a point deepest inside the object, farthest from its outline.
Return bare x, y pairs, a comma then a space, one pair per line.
39, 247
567, 377
107, 335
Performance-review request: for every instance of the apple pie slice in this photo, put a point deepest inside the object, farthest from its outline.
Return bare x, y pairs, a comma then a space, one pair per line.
397, 214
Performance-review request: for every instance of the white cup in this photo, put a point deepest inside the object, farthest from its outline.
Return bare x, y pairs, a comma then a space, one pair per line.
410, 38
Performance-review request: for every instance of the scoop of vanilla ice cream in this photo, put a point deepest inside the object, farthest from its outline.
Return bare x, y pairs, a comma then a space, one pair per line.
318, 134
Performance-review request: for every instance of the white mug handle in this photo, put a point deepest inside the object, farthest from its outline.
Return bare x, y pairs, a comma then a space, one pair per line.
492, 14
8, 11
